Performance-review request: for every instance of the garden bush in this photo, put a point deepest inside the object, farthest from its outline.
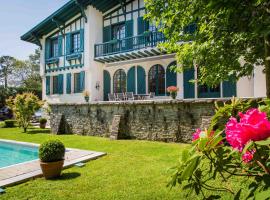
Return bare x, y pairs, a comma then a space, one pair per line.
24, 106
52, 151
43, 120
237, 143
10, 123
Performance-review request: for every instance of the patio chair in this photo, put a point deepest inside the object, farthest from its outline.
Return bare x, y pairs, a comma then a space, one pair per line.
151, 95
111, 97
129, 96
120, 96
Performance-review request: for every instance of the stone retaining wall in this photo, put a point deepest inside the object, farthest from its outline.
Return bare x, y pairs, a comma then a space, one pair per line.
166, 120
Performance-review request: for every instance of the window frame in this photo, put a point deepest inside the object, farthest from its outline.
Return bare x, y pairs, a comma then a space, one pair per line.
54, 47
76, 34
120, 81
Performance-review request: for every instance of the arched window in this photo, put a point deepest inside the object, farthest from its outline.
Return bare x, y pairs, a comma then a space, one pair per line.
156, 80
119, 81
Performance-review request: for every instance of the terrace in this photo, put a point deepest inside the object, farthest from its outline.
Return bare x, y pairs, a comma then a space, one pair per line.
140, 46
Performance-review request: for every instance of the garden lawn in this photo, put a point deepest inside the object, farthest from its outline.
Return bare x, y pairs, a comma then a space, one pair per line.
131, 170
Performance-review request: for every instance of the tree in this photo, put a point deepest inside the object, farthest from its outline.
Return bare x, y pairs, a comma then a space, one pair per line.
7, 64
230, 38
24, 106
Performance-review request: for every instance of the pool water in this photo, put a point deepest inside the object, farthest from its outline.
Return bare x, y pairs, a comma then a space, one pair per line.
13, 153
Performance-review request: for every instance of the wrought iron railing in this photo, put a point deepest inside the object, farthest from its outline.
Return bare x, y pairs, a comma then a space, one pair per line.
148, 39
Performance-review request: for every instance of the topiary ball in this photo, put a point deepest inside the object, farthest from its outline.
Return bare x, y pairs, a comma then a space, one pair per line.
52, 151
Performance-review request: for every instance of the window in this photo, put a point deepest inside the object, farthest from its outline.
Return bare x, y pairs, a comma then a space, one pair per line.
156, 80
77, 88
119, 81
54, 48
76, 42
119, 31
55, 84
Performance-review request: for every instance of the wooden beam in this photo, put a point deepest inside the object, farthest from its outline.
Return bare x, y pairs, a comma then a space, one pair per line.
37, 39
81, 7
59, 24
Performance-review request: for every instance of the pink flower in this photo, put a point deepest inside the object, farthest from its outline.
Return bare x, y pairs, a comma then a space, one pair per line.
248, 156
196, 135
253, 126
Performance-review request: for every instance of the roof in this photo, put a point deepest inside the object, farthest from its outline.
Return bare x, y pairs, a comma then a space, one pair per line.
63, 14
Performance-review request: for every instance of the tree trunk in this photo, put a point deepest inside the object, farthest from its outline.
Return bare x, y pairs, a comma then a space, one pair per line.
267, 63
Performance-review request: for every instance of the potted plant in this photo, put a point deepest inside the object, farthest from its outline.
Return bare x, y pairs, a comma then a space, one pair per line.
42, 123
173, 91
86, 95
52, 155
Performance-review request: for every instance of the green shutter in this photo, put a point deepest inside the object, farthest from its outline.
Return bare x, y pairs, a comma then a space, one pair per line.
82, 81
107, 33
60, 45
171, 76
106, 85
141, 84
60, 83
143, 25
82, 39
68, 85
129, 33
229, 88
189, 88
48, 85
131, 80
47, 48
68, 43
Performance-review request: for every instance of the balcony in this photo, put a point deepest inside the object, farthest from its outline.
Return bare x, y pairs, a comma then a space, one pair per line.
135, 47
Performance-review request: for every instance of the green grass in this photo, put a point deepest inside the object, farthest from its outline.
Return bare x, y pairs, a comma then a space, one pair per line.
131, 170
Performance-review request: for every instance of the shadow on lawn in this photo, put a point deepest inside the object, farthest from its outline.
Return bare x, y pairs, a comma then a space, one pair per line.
35, 131
68, 176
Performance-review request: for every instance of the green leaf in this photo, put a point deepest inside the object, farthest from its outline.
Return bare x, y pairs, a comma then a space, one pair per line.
263, 142
189, 169
185, 155
248, 145
262, 195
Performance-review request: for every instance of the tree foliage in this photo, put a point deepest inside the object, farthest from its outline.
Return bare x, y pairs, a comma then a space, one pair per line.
7, 64
231, 36
24, 106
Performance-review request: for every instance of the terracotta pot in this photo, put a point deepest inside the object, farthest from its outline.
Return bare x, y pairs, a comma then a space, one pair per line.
42, 125
52, 169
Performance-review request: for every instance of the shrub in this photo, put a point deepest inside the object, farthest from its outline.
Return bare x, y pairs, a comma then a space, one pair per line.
10, 123
43, 120
237, 143
24, 106
52, 151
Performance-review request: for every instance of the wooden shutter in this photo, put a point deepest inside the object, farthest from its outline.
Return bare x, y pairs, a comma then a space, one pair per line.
82, 39
68, 84
48, 85
60, 45
107, 33
60, 83
47, 48
82, 81
141, 84
106, 85
68, 43
131, 80
171, 79
129, 33
189, 88
229, 88
143, 25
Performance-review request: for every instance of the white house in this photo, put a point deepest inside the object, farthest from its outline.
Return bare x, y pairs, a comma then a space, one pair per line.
105, 46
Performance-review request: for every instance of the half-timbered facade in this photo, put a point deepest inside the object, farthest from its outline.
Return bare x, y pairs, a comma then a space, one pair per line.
106, 46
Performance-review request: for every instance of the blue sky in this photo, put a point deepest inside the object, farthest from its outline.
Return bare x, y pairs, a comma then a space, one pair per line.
19, 16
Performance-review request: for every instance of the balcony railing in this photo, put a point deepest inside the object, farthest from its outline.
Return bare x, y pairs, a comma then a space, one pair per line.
148, 39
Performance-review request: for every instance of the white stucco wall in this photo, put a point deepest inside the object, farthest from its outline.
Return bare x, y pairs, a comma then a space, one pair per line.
259, 82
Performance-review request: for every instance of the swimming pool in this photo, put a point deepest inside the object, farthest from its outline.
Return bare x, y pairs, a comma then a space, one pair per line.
12, 153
